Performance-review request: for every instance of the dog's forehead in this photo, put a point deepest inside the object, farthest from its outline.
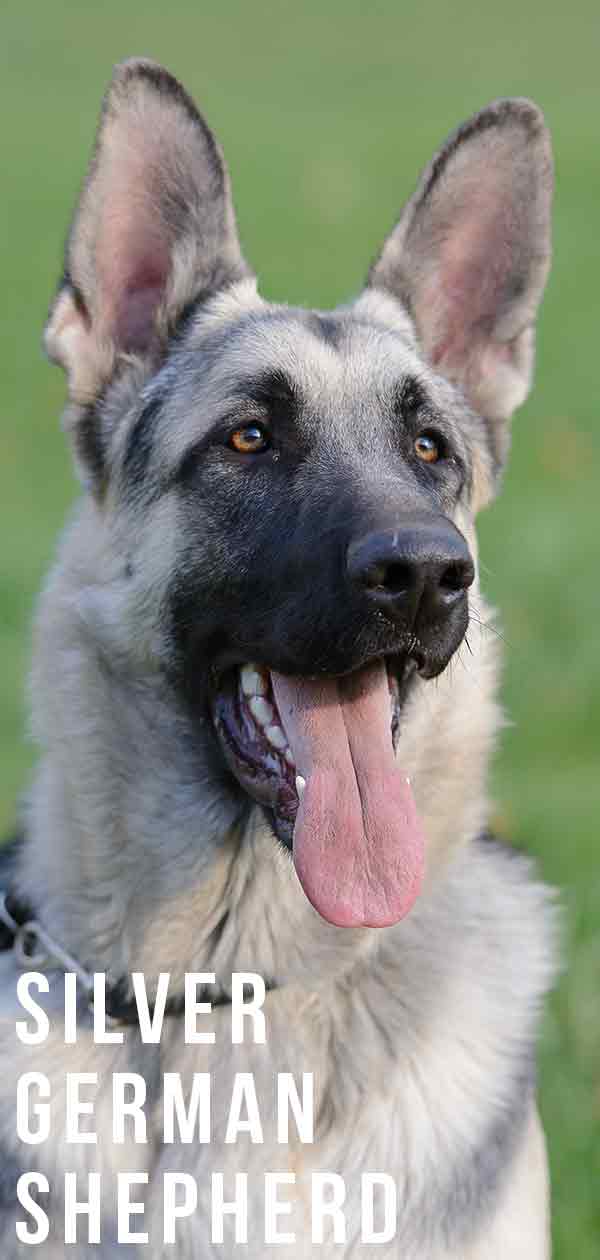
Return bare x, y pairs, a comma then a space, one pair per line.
345, 369
331, 359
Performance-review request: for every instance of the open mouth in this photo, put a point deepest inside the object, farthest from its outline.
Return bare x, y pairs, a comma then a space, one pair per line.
320, 755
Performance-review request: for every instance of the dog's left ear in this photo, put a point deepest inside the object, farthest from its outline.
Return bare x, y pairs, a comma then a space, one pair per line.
470, 255
154, 230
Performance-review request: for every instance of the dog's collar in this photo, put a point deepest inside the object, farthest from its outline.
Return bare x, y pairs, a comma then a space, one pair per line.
36, 950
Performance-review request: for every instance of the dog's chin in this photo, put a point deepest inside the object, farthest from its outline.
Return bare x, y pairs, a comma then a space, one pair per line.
256, 747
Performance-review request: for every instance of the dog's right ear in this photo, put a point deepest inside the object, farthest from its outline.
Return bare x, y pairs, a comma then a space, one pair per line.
154, 230
470, 253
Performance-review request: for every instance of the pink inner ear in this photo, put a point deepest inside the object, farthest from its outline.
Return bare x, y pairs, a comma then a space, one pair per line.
472, 278
136, 309
133, 269
133, 250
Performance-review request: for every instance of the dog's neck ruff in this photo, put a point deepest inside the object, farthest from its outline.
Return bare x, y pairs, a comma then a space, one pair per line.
36, 950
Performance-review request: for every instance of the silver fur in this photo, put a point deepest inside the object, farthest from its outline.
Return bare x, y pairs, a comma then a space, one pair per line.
421, 1036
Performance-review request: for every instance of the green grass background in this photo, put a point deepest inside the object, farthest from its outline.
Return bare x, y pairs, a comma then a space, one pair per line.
327, 111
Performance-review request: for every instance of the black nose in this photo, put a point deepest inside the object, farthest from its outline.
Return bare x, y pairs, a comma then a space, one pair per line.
424, 566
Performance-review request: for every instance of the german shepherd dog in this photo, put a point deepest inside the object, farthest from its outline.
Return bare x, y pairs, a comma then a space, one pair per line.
265, 735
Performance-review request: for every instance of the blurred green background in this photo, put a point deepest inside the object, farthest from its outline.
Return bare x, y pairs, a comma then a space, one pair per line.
326, 112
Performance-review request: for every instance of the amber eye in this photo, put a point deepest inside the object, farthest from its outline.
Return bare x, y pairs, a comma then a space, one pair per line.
427, 447
252, 439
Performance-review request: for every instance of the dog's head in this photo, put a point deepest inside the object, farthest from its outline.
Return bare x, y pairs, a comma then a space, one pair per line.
289, 495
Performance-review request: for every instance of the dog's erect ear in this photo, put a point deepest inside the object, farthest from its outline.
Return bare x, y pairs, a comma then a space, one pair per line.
470, 255
154, 230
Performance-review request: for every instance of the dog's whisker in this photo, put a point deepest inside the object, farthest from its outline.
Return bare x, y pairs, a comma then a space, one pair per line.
475, 616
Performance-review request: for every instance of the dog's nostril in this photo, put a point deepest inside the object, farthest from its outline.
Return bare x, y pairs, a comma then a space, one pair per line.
426, 565
393, 578
452, 579
457, 576
398, 577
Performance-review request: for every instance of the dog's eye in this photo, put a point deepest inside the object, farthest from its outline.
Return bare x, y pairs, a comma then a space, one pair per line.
428, 448
252, 439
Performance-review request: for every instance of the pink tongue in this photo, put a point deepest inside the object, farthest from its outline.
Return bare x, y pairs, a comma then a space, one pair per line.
358, 843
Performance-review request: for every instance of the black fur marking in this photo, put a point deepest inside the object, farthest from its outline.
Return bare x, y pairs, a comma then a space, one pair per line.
271, 390
9, 856
140, 440
186, 317
410, 398
328, 329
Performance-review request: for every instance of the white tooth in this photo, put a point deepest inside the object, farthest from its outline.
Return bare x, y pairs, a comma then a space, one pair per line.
253, 683
288, 756
261, 711
300, 785
276, 737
